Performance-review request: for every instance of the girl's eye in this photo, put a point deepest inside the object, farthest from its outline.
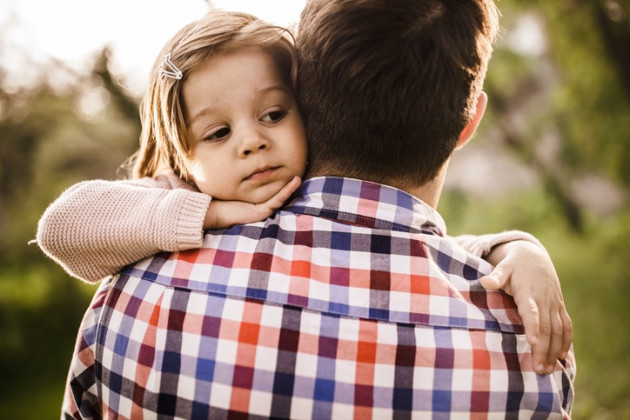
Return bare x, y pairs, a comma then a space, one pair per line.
274, 116
219, 134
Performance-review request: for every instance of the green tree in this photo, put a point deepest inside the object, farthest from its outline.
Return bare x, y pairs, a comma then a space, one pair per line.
50, 138
563, 107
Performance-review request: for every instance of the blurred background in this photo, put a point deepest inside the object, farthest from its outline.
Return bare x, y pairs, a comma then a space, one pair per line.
552, 157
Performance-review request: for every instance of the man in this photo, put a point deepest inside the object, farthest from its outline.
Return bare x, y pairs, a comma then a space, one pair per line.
352, 301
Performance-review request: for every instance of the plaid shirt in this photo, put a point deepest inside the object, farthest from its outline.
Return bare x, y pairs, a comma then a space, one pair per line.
349, 303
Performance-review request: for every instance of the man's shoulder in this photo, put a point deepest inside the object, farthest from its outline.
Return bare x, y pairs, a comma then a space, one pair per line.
339, 268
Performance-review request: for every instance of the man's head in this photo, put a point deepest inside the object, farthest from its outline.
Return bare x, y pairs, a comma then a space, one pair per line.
387, 86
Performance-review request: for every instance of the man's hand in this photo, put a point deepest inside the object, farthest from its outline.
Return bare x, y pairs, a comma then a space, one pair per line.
525, 271
223, 214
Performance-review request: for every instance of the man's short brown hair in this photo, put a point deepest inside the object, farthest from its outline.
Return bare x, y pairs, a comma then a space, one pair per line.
386, 86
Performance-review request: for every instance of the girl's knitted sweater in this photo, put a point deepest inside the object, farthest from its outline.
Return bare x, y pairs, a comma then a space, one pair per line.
97, 227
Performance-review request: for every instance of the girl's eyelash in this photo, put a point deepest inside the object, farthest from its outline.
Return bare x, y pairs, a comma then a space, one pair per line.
272, 116
280, 114
218, 134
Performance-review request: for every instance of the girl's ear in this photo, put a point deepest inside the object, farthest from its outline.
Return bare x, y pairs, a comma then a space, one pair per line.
471, 127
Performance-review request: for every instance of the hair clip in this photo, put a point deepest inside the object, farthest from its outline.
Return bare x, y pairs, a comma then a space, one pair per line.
168, 69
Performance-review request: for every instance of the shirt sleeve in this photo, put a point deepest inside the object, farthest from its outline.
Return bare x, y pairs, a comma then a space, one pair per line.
95, 228
481, 245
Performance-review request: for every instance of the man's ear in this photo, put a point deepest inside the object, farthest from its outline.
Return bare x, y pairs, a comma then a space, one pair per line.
471, 127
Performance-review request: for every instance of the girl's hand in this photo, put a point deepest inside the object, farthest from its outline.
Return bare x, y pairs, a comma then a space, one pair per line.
223, 214
525, 271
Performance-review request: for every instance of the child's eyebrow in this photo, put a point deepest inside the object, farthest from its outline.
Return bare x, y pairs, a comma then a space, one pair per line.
207, 110
282, 88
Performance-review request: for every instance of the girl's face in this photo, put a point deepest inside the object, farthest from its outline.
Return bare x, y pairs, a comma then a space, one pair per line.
246, 135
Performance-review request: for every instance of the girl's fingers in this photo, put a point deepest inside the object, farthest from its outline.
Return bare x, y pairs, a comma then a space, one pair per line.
548, 330
496, 279
567, 336
542, 348
283, 195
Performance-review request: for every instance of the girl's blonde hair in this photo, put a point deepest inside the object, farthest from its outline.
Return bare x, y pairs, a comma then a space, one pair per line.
163, 141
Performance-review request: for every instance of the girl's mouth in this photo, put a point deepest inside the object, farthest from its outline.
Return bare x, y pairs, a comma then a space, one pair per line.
261, 174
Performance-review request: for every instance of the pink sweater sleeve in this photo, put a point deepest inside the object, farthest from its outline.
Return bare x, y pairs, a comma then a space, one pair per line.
481, 245
95, 228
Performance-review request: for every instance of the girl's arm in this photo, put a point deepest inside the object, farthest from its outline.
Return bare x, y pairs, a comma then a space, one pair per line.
524, 270
95, 228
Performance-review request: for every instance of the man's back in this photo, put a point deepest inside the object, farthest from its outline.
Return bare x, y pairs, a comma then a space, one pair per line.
351, 302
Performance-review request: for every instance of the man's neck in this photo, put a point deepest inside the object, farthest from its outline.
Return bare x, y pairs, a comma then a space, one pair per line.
428, 192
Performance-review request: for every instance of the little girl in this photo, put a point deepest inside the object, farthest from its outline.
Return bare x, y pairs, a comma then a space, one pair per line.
223, 143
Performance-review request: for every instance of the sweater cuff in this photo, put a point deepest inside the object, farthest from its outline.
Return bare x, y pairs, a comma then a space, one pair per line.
189, 233
482, 245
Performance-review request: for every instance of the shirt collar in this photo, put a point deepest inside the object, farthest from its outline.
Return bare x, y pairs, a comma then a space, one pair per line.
366, 203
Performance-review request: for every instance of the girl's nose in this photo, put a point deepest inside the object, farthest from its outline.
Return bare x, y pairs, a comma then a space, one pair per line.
253, 143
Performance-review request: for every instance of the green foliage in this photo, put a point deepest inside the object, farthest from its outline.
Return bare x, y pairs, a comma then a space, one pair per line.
593, 270
40, 311
578, 89
47, 144
590, 102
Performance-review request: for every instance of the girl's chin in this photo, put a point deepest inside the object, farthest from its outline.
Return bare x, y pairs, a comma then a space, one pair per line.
264, 192
248, 193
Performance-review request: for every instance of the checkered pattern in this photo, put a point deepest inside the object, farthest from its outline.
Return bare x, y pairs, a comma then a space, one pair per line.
350, 303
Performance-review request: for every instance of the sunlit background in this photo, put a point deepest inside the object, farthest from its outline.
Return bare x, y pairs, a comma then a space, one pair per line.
73, 31
552, 157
